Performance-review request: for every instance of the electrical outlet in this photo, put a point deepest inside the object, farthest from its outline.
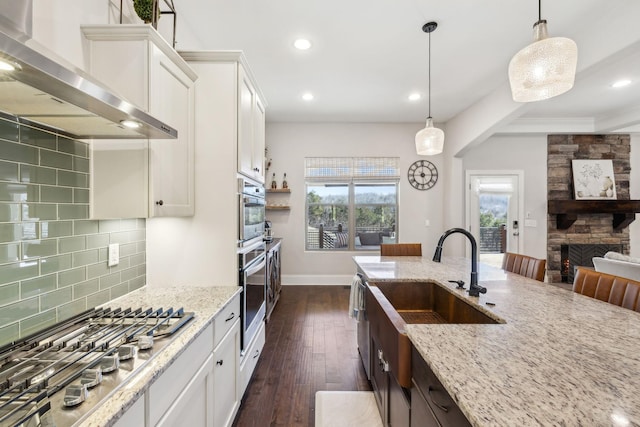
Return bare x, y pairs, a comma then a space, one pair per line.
114, 255
427, 223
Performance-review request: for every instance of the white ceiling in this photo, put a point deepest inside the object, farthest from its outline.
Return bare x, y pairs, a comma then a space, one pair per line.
369, 55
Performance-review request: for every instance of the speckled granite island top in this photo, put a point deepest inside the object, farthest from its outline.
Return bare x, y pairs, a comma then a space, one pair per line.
205, 302
561, 359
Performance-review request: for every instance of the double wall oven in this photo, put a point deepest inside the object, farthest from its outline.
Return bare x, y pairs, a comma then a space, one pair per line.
252, 261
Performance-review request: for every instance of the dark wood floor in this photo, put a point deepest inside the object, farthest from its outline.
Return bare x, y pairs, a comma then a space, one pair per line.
311, 346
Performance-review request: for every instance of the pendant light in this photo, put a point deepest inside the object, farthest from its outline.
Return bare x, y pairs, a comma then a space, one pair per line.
544, 69
430, 140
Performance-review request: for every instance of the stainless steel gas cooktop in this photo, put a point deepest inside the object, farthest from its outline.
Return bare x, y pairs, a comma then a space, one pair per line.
59, 376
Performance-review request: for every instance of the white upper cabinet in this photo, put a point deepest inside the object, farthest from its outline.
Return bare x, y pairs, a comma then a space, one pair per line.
136, 62
251, 122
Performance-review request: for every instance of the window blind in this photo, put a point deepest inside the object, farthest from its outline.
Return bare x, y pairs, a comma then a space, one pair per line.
351, 168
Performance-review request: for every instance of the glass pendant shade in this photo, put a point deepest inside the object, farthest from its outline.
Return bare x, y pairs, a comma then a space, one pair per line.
430, 140
544, 69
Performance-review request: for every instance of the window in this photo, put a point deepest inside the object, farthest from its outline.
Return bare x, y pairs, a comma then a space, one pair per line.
352, 203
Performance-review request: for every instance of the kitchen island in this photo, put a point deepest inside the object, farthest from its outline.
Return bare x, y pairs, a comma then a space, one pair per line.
205, 302
555, 358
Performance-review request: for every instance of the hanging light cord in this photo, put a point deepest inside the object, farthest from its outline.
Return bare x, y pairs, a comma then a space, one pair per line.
429, 75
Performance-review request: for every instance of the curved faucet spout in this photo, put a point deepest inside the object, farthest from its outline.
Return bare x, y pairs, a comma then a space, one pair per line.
474, 289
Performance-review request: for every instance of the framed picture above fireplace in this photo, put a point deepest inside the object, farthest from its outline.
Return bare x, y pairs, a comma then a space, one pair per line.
593, 180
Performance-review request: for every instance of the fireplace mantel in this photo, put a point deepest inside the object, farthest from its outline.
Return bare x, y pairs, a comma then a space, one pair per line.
567, 211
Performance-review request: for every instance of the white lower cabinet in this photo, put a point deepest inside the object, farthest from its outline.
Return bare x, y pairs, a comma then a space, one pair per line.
250, 358
226, 382
192, 407
164, 395
134, 417
202, 387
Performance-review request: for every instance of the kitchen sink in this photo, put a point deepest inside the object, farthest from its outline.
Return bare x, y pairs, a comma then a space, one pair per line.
427, 302
393, 305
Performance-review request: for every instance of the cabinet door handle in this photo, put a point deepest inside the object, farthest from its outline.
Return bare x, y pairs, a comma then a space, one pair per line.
220, 362
160, 202
230, 317
257, 354
439, 405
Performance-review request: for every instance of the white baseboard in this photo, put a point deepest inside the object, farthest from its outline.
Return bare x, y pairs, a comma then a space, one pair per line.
317, 279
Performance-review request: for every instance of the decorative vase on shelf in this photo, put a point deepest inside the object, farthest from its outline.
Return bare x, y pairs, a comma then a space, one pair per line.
285, 184
274, 184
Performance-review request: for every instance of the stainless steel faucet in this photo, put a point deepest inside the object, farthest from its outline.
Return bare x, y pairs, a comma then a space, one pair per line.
474, 289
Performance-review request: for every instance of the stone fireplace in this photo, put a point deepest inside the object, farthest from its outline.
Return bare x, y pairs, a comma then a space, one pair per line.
590, 228
577, 255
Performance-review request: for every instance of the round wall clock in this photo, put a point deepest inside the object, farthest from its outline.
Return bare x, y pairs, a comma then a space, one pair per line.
422, 175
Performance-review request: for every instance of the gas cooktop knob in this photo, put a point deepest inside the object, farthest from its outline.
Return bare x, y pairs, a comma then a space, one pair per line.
75, 394
127, 351
109, 364
91, 377
145, 342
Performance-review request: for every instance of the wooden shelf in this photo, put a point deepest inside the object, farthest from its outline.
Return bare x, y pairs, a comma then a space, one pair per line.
278, 190
277, 208
567, 211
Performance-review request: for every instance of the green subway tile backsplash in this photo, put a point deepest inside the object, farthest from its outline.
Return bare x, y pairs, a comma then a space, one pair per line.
39, 211
50, 229
37, 175
53, 258
9, 212
9, 333
80, 195
9, 293
73, 179
39, 248
9, 252
34, 136
66, 145
38, 322
54, 264
14, 192
56, 160
8, 171
85, 227
80, 164
37, 286
52, 194
73, 211
19, 152
56, 298
9, 130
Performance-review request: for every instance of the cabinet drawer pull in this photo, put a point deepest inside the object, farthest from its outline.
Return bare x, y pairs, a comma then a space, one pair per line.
257, 354
220, 362
230, 317
439, 405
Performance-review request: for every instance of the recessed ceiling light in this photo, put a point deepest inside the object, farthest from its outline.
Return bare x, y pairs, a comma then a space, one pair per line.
414, 97
302, 44
621, 83
307, 96
5, 66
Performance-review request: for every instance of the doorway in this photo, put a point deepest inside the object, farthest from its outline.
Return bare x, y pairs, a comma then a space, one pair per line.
494, 201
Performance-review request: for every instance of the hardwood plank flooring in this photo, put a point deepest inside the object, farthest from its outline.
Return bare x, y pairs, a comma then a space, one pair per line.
310, 346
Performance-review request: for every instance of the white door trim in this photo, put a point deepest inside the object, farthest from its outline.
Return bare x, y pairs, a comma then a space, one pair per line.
490, 172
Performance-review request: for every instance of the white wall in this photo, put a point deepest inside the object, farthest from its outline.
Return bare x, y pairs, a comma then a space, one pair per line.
527, 153
290, 143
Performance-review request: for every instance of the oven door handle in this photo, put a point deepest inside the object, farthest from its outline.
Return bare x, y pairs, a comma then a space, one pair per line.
256, 266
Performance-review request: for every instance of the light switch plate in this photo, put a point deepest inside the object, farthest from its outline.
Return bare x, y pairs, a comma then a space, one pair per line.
530, 223
114, 255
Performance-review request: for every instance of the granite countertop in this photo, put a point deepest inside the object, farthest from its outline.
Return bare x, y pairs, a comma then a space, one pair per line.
205, 302
560, 358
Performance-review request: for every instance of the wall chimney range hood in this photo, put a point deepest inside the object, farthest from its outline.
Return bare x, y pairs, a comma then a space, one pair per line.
39, 90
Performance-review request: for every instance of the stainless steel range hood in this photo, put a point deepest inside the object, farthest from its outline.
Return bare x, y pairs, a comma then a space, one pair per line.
42, 91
